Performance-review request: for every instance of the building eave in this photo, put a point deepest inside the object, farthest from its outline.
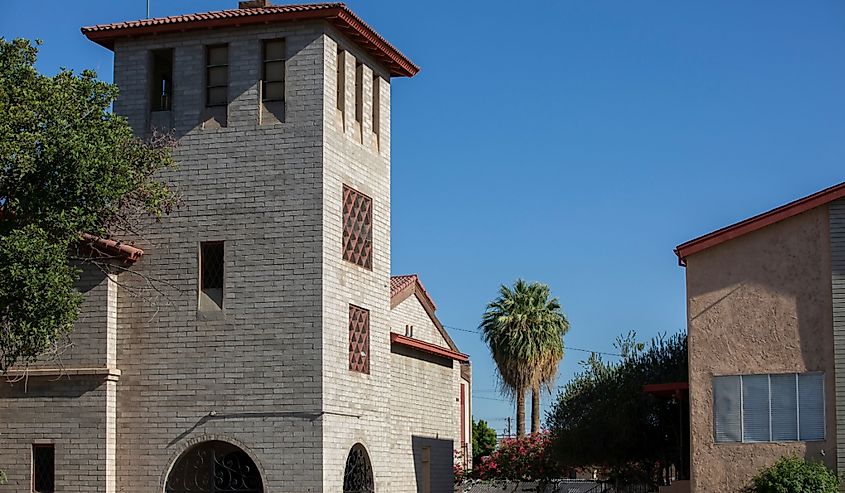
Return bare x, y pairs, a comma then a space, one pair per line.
427, 347
759, 221
337, 14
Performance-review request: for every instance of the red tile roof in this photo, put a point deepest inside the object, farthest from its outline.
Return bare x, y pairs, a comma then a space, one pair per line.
402, 287
400, 283
336, 13
759, 221
112, 248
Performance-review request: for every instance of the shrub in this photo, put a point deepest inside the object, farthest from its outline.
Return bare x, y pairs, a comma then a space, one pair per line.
795, 475
525, 458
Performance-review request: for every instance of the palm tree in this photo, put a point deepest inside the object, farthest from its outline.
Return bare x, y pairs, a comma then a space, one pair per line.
524, 329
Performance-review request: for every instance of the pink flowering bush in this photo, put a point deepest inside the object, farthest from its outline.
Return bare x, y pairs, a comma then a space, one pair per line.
520, 459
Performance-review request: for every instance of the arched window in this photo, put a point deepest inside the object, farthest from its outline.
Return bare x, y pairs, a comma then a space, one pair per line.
214, 467
358, 477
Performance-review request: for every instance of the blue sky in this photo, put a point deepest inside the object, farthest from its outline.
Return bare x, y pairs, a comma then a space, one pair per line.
572, 142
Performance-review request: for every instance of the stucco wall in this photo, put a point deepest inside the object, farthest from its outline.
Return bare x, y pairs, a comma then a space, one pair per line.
760, 303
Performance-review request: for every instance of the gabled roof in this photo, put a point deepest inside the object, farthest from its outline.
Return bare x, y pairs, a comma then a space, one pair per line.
402, 287
335, 13
759, 221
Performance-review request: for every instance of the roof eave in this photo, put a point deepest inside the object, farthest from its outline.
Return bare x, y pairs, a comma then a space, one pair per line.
759, 221
340, 16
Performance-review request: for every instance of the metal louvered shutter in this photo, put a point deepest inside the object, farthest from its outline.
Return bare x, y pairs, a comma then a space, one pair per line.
784, 404
755, 408
811, 406
727, 408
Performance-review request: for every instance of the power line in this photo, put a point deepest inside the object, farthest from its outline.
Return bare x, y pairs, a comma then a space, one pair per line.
573, 348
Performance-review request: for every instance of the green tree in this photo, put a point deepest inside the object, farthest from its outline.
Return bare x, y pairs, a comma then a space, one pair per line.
602, 418
524, 328
483, 439
67, 166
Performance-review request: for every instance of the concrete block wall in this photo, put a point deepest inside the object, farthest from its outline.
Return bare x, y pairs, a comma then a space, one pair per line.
68, 413
256, 364
424, 405
91, 343
411, 312
361, 401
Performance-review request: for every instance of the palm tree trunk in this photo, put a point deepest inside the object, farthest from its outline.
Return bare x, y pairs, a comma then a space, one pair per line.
535, 409
520, 413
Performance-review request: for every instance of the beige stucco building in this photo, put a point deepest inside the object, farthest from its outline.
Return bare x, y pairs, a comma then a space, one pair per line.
767, 341
254, 340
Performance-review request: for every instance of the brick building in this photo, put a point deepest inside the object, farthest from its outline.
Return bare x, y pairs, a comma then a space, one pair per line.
276, 353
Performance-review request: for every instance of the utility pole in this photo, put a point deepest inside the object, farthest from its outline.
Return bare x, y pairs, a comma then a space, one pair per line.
148, 9
509, 426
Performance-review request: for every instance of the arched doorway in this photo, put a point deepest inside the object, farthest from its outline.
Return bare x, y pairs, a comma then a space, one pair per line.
358, 476
214, 467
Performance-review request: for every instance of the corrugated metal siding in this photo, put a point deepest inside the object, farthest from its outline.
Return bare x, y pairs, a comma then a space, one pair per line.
837, 259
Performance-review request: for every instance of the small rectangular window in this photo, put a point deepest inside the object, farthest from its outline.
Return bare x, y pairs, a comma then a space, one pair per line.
211, 275
273, 70
357, 228
341, 81
43, 469
376, 109
359, 92
359, 339
161, 90
769, 408
217, 75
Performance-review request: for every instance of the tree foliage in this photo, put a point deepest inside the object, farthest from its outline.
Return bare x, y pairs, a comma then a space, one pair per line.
483, 439
795, 475
526, 458
67, 166
602, 418
524, 329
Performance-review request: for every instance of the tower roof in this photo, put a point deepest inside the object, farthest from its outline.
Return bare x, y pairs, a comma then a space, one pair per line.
337, 14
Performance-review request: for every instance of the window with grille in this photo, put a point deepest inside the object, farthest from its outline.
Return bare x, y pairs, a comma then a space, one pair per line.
769, 408
43, 469
273, 70
217, 75
359, 339
211, 275
161, 90
357, 228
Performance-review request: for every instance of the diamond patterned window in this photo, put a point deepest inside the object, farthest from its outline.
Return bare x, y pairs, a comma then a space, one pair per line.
359, 339
357, 228
43, 469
